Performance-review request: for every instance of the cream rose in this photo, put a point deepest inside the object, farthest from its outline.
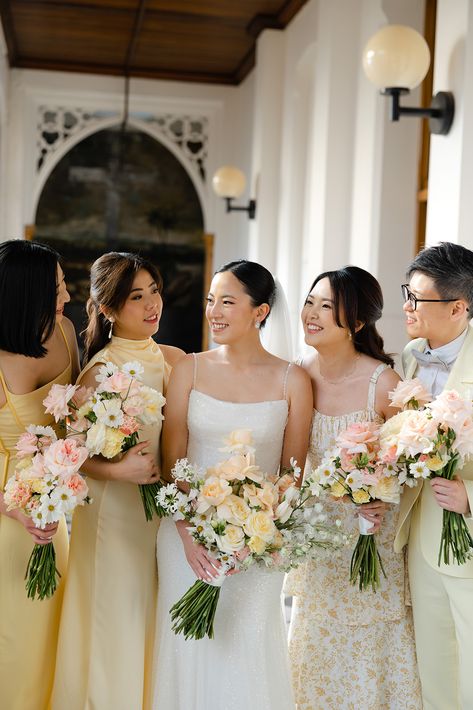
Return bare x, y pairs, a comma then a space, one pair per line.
113, 443
234, 510
233, 540
260, 524
96, 438
257, 545
360, 496
387, 489
213, 493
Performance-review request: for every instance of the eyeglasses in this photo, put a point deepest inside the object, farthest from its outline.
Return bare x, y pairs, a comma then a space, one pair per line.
413, 300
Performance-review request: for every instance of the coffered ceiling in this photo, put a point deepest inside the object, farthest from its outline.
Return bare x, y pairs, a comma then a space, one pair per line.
212, 41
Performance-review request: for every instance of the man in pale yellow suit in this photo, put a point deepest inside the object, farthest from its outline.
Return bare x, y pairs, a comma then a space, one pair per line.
438, 307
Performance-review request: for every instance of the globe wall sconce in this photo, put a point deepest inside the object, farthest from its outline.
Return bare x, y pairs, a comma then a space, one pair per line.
396, 60
229, 182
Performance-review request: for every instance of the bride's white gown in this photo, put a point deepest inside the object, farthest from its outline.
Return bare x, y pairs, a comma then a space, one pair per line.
245, 665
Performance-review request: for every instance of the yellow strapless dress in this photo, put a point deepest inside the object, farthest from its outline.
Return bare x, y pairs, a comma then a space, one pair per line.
105, 651
28, 629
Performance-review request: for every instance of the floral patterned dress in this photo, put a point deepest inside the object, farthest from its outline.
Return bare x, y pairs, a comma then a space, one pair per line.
351, 649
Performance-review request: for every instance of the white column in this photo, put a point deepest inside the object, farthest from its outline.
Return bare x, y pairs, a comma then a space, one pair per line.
266, 153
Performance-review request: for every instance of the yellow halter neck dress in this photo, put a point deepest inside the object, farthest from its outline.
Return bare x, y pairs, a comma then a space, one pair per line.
105, 651
28, 629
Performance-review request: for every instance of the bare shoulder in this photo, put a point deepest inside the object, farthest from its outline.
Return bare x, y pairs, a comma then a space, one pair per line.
299, 376
68, 328
388, 380
87, 379
183, 370
172, 355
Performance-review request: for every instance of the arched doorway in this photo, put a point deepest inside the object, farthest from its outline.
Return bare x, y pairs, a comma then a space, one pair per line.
124, 191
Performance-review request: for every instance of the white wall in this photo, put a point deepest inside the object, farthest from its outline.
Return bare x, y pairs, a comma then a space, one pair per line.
450, 208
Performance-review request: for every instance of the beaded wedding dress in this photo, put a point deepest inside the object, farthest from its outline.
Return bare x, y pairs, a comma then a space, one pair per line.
245, 665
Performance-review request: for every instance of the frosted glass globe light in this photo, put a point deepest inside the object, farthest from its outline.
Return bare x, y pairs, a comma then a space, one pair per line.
396, 57
229, 182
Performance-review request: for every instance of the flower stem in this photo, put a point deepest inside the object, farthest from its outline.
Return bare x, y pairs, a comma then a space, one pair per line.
366, 563
41, 572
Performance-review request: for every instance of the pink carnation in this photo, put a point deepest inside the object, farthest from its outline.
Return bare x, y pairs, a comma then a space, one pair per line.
37, 468
359, 438
65, 457
57, 400
409, 391
27, 445
17, 495
78, 485
133, 406
129, 426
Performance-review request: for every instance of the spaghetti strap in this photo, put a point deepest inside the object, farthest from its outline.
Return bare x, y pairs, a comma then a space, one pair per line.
372, 386
285, 380
195, 370
66, 341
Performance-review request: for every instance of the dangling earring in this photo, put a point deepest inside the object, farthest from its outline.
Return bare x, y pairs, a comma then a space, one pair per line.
112, 320
350, 337
257, 325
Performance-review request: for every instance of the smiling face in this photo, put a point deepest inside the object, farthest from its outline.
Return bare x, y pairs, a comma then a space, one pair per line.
62, 295
318, 317
230, 312
139, 316
439, 323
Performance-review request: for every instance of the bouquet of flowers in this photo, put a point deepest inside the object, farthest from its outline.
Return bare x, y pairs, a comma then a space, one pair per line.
111, 416
427, 439
46, 484
354, 469
242, 516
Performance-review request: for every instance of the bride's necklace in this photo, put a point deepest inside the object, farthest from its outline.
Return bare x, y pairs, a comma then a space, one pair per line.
340, 379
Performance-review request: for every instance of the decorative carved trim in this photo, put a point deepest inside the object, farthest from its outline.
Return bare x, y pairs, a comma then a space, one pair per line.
57, 124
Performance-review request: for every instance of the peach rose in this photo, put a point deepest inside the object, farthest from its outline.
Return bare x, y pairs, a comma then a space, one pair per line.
359, 438
57, 400
417, 433
409, 394
239, 440
450, 409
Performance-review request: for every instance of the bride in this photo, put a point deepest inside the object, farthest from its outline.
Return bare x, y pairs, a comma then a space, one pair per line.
237, 385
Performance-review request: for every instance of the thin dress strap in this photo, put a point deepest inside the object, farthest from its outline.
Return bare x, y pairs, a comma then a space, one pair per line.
372, 386
284, 390
195, 370
66, 341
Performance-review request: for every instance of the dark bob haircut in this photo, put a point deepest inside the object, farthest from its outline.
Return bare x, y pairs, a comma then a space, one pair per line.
358, 299
28, 296
257, 281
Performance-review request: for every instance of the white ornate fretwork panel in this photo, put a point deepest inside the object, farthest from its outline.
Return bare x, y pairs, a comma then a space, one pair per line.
188, 133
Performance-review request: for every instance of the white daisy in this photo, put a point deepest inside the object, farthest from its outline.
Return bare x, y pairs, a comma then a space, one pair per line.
109, 412
134, 369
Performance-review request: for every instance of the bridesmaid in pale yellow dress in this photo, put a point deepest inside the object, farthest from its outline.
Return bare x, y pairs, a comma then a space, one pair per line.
106, 640
38, 348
